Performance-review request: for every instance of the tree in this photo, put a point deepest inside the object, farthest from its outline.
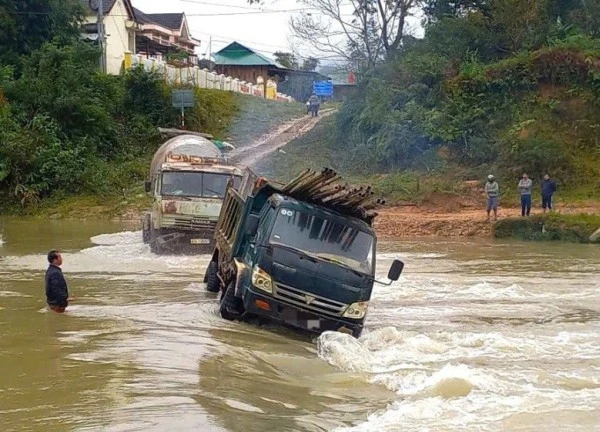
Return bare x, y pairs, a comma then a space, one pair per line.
286, 59
25, 25
344, 28
310, 64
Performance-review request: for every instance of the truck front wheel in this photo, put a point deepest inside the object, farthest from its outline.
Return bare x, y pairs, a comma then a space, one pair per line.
212, 278
230, 305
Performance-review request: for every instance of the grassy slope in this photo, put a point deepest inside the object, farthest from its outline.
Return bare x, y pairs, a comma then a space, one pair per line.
315, 151
257, 117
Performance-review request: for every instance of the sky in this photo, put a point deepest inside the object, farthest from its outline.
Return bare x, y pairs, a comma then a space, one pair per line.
263, 28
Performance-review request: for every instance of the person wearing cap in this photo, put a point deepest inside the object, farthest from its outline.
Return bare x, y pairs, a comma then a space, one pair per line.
492, 191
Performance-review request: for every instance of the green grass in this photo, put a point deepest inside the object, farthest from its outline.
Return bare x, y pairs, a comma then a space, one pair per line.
570, 228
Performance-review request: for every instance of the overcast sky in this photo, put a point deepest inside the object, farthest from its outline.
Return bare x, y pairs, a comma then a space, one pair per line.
263, 28
264, 31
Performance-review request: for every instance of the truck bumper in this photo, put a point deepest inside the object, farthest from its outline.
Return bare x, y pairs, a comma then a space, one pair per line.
199, 242
265, 306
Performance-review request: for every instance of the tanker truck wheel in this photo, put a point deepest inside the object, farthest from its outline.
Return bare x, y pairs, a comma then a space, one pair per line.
146, 229
212, 278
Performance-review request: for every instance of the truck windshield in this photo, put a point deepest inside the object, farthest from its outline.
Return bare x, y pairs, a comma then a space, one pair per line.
196, 184
325, 239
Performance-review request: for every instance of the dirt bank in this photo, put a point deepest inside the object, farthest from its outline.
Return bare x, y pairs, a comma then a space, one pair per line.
430, 221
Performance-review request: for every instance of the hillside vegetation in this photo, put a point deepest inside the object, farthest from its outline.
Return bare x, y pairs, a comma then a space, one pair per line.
73, 137
499, 86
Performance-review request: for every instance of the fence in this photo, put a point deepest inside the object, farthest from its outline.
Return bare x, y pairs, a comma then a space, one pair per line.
203, 78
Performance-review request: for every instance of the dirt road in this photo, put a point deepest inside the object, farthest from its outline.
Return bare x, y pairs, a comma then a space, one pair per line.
251, 154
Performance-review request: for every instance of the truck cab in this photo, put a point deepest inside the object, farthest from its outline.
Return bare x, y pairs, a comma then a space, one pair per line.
295, 261
189, 178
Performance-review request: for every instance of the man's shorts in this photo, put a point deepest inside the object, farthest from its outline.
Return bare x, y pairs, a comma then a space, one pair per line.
492, 203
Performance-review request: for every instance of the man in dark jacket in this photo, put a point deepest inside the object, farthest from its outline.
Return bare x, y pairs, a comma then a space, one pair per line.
548, 189
57, 294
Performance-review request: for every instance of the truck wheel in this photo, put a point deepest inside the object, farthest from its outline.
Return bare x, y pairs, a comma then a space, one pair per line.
212, 278
146, 229
230, 305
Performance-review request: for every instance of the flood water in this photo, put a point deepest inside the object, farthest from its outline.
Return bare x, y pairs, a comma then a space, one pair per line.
477, 335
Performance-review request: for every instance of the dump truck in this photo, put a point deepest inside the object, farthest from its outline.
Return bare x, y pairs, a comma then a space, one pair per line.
188, 179
301, 253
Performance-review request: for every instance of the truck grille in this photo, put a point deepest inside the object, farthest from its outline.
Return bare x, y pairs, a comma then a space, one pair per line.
309, 301
189, 223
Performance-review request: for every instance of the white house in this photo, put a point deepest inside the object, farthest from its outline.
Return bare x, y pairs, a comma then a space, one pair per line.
129, 29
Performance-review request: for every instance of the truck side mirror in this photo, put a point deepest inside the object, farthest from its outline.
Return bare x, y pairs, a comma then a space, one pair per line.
147, 186
252, 225
395, 270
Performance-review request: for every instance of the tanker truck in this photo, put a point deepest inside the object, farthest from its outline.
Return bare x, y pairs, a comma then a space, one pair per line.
188, 179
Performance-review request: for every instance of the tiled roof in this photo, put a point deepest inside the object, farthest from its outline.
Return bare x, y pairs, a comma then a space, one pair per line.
171, 21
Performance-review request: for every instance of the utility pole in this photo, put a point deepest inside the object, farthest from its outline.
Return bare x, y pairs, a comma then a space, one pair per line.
210, 50
101, 36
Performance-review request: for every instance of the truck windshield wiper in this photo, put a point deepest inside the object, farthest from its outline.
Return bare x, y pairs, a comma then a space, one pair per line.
340, 263
300, 251
316, 258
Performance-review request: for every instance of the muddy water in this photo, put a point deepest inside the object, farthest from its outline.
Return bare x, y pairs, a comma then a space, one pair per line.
476, 336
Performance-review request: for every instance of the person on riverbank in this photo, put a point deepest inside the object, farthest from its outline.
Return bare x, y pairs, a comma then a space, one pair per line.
57, 293
492, 191
525, 185
548, 188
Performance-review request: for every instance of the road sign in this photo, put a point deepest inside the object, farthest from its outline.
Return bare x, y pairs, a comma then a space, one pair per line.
323, 88
183, 98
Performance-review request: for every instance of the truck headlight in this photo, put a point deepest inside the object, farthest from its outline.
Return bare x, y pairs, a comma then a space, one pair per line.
356, 310
262, 280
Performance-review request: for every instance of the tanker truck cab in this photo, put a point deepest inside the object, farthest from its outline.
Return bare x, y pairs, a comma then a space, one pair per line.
188, 181
301, 264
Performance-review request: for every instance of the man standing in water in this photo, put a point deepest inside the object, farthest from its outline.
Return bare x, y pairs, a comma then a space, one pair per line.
548, 189
57, 294
525, 185
492, 190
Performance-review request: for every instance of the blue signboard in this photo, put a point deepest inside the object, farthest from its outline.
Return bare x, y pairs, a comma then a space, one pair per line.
323, 88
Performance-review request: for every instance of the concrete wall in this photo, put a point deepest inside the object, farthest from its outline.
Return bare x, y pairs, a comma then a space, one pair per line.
203, 78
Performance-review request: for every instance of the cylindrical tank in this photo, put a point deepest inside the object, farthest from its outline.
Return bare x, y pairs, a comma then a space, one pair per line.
191, 145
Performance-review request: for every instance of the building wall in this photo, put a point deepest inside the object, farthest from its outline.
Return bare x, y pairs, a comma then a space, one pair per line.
243, 73
119, 38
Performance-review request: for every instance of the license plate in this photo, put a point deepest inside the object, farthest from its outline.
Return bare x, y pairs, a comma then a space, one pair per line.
200, 241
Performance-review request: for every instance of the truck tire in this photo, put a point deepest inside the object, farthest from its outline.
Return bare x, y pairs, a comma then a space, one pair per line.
146, 228
212, 278
229, 306
154, 247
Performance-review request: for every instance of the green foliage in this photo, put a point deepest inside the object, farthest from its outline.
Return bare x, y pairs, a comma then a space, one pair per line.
68, 128
571, 228
25, 25
500, 85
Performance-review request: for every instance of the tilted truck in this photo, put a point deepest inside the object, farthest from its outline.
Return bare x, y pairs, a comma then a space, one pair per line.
188, 179
303, 253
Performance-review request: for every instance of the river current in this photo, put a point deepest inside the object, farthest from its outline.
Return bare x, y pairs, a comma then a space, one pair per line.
476, 335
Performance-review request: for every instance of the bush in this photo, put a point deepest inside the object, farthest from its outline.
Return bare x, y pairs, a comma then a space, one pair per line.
570, 228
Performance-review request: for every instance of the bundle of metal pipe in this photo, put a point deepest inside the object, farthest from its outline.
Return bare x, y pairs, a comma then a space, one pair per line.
325, 188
